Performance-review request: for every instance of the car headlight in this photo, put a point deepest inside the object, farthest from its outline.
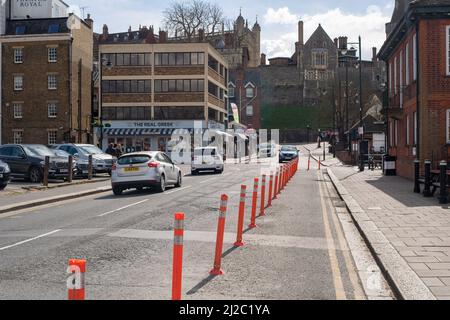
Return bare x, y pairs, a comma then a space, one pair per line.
7, 169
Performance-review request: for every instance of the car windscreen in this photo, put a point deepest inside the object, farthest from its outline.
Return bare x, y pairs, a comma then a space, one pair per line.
38, 150
133, 159
91, 150
289, 149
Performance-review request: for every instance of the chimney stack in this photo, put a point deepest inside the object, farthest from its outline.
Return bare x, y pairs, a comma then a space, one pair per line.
263, 59
343, 43
89, 21
374, 54
336, 42
162, 36
201, 35
105, 34
300, 33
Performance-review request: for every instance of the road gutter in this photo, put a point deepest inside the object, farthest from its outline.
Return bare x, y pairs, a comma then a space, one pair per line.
41, 202
405, 283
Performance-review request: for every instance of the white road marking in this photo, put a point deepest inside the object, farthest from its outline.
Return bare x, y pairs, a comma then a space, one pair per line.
123, 208
29, 240
177, 190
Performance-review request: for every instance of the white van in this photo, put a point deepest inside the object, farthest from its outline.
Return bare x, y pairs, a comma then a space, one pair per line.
207, 159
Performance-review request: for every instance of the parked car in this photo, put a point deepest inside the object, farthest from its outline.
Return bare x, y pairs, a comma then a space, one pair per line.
28, 160
81, 165
5, 174
288, 153
207, 159
102, 162
145, 170
267, 150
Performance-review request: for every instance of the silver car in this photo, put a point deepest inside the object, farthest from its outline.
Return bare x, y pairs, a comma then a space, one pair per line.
144, 170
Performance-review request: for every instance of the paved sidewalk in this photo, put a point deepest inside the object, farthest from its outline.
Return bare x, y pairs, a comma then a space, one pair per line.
417, 227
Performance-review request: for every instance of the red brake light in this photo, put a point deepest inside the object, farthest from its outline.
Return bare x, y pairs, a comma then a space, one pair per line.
153, 165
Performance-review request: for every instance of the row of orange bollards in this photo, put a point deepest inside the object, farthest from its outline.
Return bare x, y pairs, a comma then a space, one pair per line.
282, 178
277, 183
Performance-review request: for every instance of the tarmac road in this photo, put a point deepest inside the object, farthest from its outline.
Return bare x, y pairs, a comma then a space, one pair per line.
295, 253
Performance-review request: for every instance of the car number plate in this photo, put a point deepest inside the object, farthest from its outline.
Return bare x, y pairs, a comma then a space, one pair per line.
132, 169
63, 171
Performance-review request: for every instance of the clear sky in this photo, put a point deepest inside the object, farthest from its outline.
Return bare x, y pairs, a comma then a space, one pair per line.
278, 19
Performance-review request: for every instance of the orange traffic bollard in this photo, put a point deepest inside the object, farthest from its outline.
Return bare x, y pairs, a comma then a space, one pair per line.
281, 178
254, 204
275, 192
270, 190
263, 196
309, 162
239, 242
177, 271
217, 271
76, 281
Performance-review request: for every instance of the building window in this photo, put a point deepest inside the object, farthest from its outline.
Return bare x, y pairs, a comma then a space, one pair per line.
448, 126
52, 54
396, 133
52, 110
179, 86
18, 55
249, 111
320, 59
407, 131
415, 128
52, 82
401, 79
448, 50
18, 136
407, 62
17, 110
415, 57
231, 88
179, 59
18, 83
249, 91
126, 86
52, 137
395, 75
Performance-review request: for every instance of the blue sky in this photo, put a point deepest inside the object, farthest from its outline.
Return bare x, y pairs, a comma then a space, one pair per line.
278, 18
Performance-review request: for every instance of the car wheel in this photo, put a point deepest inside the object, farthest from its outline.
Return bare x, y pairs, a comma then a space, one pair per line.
2, 186
117, 191
35, 175
179, 181
194, 172
162, 185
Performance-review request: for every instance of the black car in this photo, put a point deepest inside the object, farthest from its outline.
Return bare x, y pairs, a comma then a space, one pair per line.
27, 161
5, 174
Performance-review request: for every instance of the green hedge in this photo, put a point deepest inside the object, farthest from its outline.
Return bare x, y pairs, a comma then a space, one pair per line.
294, 117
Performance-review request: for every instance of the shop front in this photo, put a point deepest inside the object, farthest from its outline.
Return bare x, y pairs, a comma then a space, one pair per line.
134, 136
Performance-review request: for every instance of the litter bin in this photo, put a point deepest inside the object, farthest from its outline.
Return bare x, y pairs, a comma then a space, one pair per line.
389, 166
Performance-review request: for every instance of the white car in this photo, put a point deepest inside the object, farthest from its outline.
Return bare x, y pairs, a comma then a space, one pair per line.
207, 159
145, 170
267, 150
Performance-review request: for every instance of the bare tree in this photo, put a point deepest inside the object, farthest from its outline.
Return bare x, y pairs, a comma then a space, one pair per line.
186, 18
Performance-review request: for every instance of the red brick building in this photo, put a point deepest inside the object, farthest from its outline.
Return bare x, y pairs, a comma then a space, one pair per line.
417, 53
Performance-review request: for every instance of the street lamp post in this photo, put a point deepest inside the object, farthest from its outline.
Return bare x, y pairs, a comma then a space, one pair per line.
361, 155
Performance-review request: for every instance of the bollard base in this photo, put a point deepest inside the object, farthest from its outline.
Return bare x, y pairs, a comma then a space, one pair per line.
239, 244
252, 226
215, 272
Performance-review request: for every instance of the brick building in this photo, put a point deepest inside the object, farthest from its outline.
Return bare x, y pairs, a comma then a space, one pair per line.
417, 52
151, 88
310, 86
46, 80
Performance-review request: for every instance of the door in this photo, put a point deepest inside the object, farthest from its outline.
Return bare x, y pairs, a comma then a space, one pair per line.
19, 160
169, 167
